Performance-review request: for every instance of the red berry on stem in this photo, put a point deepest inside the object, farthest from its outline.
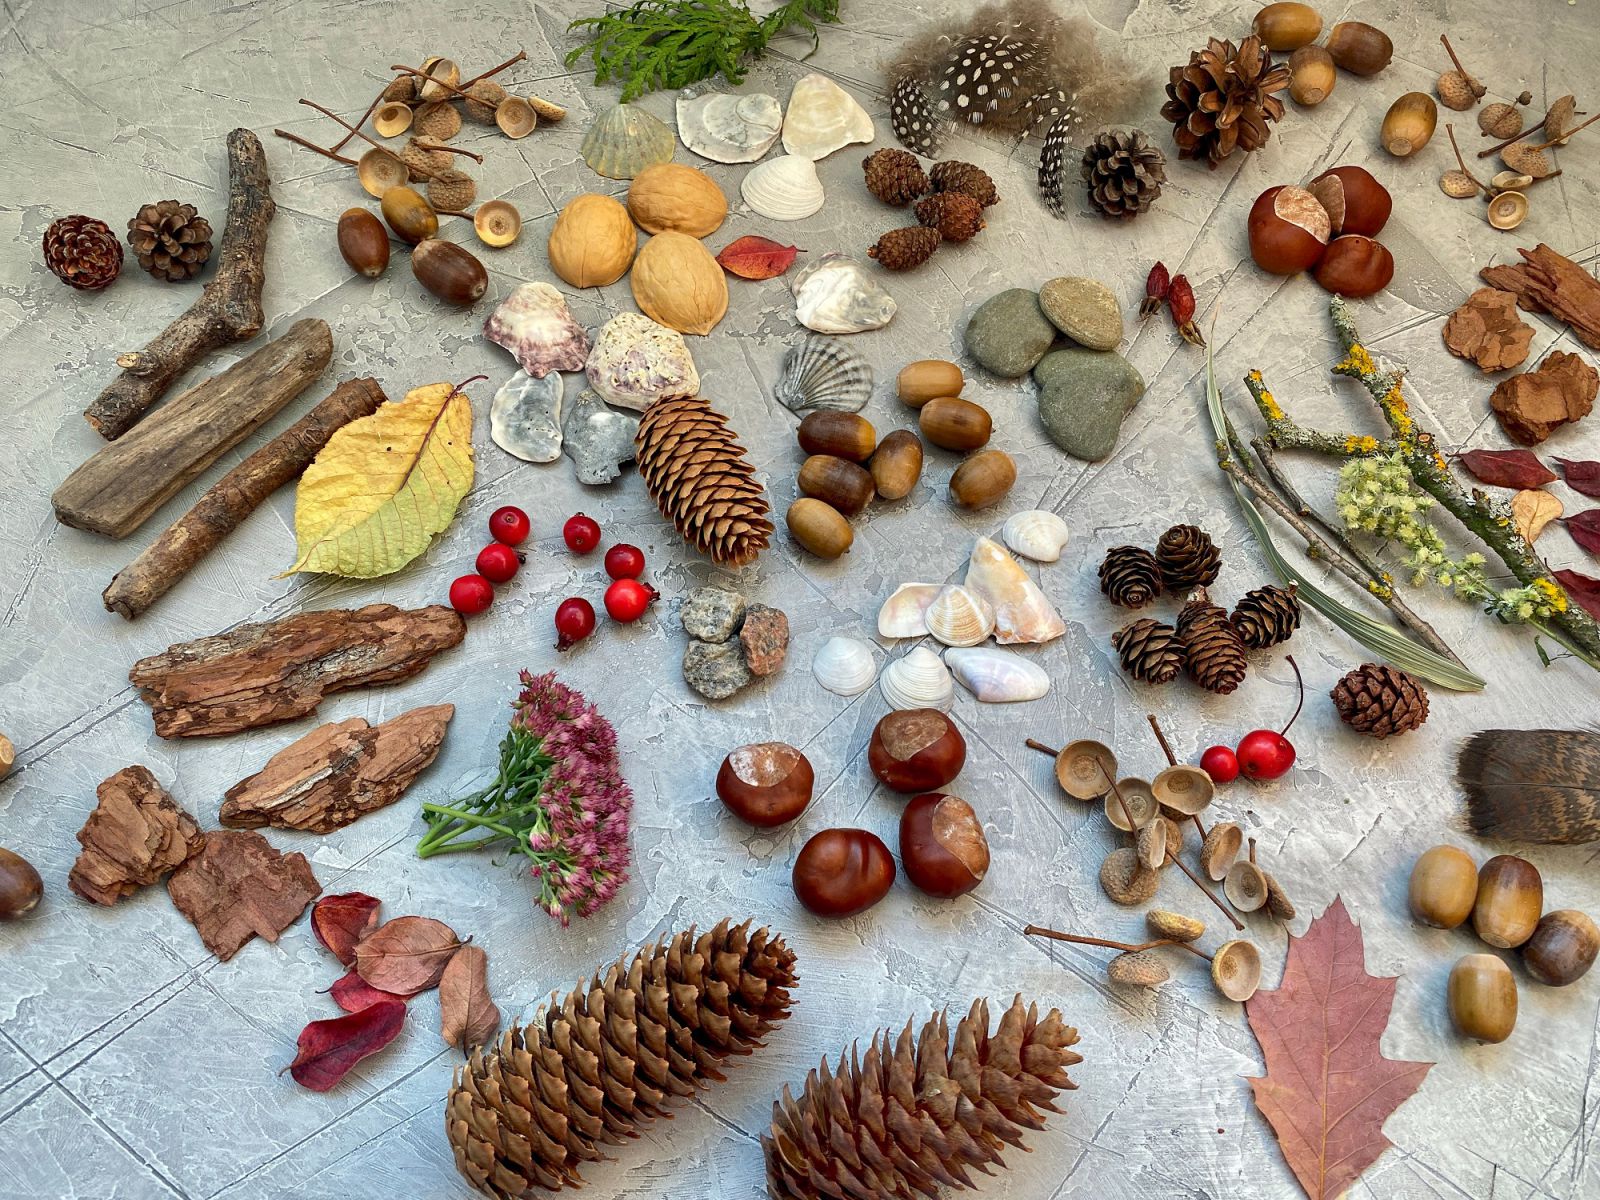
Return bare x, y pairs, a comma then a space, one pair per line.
1264, 754
1221, 763
498, 562
574, 622
510, 525
624, 561
626, 599
471, 595
581, 533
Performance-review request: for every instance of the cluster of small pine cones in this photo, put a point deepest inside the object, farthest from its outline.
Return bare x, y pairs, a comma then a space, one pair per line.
948, 200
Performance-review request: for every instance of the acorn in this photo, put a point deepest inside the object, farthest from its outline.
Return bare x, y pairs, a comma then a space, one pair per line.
1311, 75
927, 379
842, 485
1287, 26
410, 216
449, 272
1483, 998
1409, 124
1562, 948
983, 479
1444, 887
952, 423
819, 527
20, 886
1359, 48
896, 464
1510, 898
842, 434
363, 242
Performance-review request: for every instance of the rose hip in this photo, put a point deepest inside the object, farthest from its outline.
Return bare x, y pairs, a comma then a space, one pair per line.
574, 622
626, 599
624, 561
581, 533
471, 595
510, 525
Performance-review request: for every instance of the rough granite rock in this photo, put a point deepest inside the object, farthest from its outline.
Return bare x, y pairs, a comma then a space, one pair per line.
1486, 330
1533, 405
239, 886
715, 671
1009, 333
1084, 396
765, 638
1084, 310
711, 614
134, 836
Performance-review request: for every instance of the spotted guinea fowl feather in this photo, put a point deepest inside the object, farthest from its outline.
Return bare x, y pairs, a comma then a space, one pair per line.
1532, 785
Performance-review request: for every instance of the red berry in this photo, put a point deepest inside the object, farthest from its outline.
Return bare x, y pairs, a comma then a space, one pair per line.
498, 562
626, 599
574, 622
471, 595
1265, 754
1221, 763
510, 525
581, 533
624, 561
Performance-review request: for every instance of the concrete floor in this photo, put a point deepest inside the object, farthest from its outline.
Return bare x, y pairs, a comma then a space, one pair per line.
134, 1065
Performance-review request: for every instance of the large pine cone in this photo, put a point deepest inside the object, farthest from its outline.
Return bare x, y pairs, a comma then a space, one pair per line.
1130, 576
1215, 655
1188, 558
1379, 700
1123, 172
1149, 650
82, 252
696, 472
170, 240
1266, 616
927, 1110
612, 1056
1224, 98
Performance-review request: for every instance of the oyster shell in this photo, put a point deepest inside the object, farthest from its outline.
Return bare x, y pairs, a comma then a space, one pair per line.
1021, 612
835, 294
959, 617
822, 372
525, 418
636, 362
536, 326
783, 189
919, 680
904, 614
844, 666
997, 676
624, 140
1035, 534
822, 117
597, 439
729, 129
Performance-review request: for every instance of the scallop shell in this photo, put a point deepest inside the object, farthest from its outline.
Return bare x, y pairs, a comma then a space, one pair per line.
784, 189
822, 372
525, 418
844, 666
822, 117
1021, 612
904, 614
1035, 534
835, 294
729, 129
624, 140
636, 362
919, 680
997, 676
597, 439
536, 326
958, 617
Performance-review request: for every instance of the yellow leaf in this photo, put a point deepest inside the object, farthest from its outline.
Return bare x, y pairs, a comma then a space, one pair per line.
383, 486
1533, 509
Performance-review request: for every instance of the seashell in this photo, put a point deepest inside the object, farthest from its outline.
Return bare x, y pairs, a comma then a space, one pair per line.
822, 117
1184, 789
1021, 612
784, 189
536, 326
835, 294
624, 140
729, 129
904, 614
822, 372
636, 362
919, 680
844, 666
597, 439
1141, 805
1085, 769
958, 617
997, 676
525, 418
1035, 534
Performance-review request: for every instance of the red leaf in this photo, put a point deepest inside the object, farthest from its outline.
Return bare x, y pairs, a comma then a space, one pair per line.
353, 993
328, 1049
753, 257
1585, 529
406, 955
1519, 469
1328, 1088
341, 921
1582, 476
1583, 590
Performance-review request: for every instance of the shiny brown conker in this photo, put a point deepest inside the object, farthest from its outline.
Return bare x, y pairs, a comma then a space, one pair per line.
916, 750
942, 846
20, 886
1355, 266
841, 872
1288, 230
1354, 200
766, 783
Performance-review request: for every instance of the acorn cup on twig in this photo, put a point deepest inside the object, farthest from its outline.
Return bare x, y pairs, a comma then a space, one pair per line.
1235, 966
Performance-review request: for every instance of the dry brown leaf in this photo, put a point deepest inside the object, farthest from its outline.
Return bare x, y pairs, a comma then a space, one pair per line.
239, 886
467, 1013
1532, 510
406, 955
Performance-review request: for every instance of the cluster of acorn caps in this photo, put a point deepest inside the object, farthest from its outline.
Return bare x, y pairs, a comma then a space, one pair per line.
1505, 899
170, 240
1329, 227
949, 200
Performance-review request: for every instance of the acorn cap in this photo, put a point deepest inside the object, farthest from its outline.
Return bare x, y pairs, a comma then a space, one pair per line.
1085, 768
1245, 886
439, 121
497, 223
1221, 849
516, 117
379, 170
1140, 804
1137, 968
1173, 925
1507, 210
1236, 970
451, 191
1126, 880
1151, 843
392, 119
1184, 788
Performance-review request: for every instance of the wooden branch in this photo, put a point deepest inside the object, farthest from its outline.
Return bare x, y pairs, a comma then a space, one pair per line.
234, 497
1552, 283
229, 309
1268, 457
261, 674
120, 485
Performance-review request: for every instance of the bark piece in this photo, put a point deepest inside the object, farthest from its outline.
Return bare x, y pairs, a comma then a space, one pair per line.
239, 886
1486, 330
1533, 405
116, 489
1549, 282
228, 310
261, 674
134, 836
234, 497
338, 772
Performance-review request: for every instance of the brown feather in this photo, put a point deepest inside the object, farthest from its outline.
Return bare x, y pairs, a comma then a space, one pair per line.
1532, 785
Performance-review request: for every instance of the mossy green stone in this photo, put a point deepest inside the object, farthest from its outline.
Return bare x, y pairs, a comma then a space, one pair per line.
1083, 397
1009, 333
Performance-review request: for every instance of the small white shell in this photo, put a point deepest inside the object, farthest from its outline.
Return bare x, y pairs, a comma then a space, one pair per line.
636, 362
525, 418
844, 666
729, 129
1035, 534
997, 676
958, 617
822, 117
835, 294
904, 614
919, 680
784, 189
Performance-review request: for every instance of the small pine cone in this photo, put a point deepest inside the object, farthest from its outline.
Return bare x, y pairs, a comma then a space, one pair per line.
1379, 700
451, 191
1266, 616
956, 176
895, 176
486, 96
170, 240
1123, 172
439, 121
82, 252
1149, 651
956, 215
1215, 655
904, 249
1224, 98
1130, 576
1188, 558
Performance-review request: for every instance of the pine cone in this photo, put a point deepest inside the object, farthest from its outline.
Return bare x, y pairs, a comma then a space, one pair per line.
913, 119
1379, 700
956, 176
1266, 616
904, 249
1215, 655
1123, 172
1188, 558
696, 472
956, 215
919, 1111
1149, 650
82, 252
1130, 576
895, 176
170, 240
1225, 97
612, 1056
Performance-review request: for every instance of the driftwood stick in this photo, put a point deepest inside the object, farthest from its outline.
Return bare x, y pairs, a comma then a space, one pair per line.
228, 310
234, 497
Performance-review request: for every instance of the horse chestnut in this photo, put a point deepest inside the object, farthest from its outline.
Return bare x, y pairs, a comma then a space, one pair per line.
1354, 200
1355, 266
841, 872
942, 845
1288, 229
766, 784
916, 750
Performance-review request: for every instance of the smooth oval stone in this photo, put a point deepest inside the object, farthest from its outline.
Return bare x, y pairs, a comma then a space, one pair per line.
1083, 397
1009, 333
1084, 310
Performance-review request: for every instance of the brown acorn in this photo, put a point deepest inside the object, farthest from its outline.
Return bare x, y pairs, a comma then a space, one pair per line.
363, 242
449, 272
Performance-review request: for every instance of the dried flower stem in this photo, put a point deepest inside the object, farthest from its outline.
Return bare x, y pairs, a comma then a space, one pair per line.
371, 108
356, 131
1079, 939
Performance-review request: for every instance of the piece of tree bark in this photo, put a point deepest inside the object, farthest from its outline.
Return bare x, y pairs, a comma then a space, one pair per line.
117, 488
338, 772
238, 887
234, 497
1533, 405
228, 310
1549, 282
1487, 331
134, 836
274, 671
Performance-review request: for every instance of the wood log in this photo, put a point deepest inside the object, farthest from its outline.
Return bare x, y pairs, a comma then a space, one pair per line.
228, 310
261, 674
234, 497
1552, 283
120, 485
338, 772
134, 836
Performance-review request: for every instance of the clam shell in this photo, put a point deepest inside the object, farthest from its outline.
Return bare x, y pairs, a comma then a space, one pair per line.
822, 117
919, 680
536, 326
597, 439
636, 362
958, 617
1021, 612
822, 372
784, 189
1035, 534
844, 666
997, 676
1085, 769
525, 418
904, 614
729, 129
835, 294
624, 140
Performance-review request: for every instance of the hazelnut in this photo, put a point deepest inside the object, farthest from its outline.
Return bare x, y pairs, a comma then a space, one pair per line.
1355, 266
1288, 230
916, 750
766, 784
842, 872
942, 846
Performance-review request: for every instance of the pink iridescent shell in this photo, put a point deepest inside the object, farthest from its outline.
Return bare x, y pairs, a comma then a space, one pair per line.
535, 325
